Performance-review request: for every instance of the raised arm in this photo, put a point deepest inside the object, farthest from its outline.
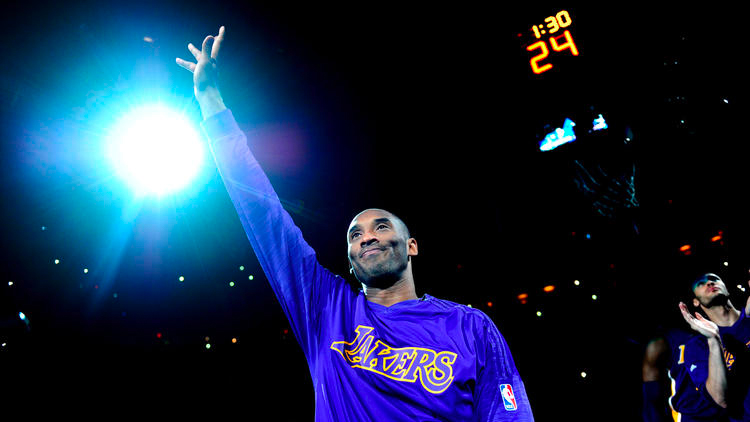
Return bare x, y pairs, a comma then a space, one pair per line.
301, 285
716, 383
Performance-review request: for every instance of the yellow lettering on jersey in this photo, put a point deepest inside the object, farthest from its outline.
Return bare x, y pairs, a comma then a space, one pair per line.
434, 370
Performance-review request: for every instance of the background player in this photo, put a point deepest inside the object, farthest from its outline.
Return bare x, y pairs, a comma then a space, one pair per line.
671, 391
712, 298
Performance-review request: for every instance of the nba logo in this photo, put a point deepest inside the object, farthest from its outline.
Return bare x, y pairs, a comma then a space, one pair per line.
509, 400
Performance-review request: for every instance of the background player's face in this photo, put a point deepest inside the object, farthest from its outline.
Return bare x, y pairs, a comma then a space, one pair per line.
379, 248
710, 291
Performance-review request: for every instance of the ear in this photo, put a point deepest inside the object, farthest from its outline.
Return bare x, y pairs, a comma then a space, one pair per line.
411, 247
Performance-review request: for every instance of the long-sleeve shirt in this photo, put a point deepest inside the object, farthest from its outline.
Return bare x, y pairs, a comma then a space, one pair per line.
419, 360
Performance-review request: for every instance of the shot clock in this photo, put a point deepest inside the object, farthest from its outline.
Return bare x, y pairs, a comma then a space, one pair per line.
550, 37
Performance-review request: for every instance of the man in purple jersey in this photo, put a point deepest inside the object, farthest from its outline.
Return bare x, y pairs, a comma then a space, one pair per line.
669, 364
712, 298
379, 354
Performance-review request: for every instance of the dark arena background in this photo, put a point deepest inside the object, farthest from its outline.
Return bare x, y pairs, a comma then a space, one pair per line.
579, 251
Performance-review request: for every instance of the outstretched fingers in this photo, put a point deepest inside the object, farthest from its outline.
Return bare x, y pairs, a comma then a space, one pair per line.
195, 51
209, 51
206, 48
685, 314
186, 65
217, 43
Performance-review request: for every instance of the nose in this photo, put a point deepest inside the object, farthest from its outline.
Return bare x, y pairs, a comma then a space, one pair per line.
368, 239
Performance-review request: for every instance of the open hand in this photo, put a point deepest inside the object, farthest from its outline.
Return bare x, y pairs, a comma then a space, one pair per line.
700, 324
205, 68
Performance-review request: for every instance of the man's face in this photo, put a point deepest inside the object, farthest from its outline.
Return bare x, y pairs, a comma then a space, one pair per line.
379, 248
710, 291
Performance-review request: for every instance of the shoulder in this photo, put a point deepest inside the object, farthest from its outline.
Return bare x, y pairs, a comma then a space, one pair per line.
465, 311
471, 319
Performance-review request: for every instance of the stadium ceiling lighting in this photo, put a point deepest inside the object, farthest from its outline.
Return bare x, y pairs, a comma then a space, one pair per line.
155, 150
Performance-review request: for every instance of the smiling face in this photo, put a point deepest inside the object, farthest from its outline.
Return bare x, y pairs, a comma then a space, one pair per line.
379, 248
710, 290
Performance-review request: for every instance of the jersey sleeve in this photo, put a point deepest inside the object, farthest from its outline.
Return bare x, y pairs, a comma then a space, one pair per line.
500, 394
300, 283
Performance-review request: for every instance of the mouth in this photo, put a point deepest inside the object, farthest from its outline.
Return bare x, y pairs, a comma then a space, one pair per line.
369, 252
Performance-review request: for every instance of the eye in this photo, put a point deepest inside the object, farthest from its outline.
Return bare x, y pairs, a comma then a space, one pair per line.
354, 235
381, 226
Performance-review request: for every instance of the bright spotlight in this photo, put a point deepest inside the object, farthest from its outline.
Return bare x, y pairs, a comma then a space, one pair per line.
155, 150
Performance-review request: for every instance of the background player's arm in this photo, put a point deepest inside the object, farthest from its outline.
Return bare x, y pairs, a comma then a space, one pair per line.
716, 383
652, 372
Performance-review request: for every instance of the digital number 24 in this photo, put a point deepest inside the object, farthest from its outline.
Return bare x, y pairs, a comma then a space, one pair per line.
553, 41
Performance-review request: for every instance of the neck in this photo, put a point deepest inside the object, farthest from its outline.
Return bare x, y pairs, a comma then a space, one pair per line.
401, 290
723, 315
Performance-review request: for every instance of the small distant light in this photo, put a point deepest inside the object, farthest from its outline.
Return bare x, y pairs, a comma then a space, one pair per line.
538, 313
588, 236
208, 345
594, 297
739, 286
207, 338
85, 270
684, 248
10, 283
114, 295
726, 264
3, 345
22, 316
726, 101
550, 288
231, 284
242, 268
523, 296
576, 282
716, 238
57, 261
250, 277
469, 305
234, 340
158, 335
182, 278
148, 39
44, 228
489, 304
583, 375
